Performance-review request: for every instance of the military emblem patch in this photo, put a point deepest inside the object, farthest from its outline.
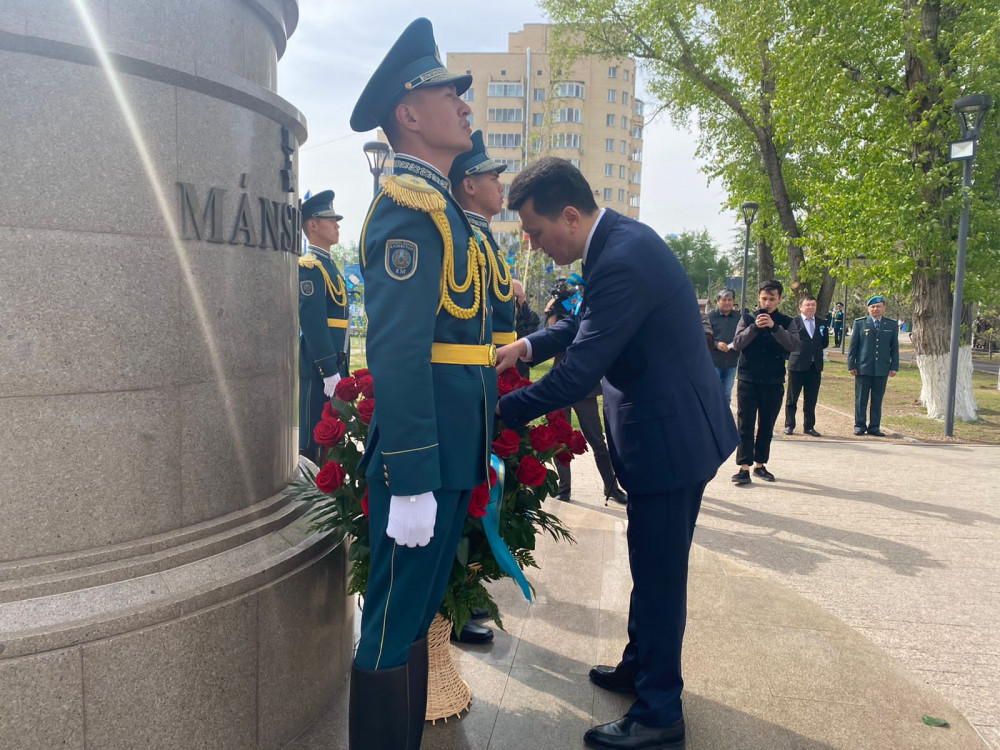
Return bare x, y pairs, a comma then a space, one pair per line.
400, 258
306, 287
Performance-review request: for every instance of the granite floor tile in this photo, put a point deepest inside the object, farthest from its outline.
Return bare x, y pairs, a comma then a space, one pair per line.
543, 709
559, 638
474, 729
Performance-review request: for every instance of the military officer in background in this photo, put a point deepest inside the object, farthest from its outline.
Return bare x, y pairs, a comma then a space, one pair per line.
872, 358
430, 352
323, 314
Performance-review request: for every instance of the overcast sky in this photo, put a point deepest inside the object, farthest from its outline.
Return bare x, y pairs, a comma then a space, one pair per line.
339, 43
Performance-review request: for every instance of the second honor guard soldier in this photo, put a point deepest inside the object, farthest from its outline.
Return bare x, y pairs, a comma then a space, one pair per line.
432, 359
872, 358
323, 314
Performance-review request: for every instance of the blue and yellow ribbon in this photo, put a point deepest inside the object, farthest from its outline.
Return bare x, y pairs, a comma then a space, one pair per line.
491, 525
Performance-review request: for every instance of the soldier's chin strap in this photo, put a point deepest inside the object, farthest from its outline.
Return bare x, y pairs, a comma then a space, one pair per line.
491, 525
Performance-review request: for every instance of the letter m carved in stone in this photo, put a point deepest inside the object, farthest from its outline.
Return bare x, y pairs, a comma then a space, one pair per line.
194, 222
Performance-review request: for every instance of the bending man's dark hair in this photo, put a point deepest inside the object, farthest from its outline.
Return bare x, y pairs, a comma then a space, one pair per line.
552, 184
771, 285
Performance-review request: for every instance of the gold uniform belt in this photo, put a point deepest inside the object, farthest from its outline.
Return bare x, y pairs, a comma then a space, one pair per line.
502, 338
464, 354
336, 322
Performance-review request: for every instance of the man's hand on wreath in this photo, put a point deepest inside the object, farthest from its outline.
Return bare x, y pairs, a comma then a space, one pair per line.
507, 356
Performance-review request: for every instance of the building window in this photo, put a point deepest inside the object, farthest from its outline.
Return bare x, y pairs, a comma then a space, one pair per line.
626, 73
510, 114
536, 144
635, 178
633, 201
575, 163
507, 215
610, 121
609, 144
621, 195
609, 170
613, 72
624, 122
636, 156
607, 194
503, 72
621, 171
471, 117
538, 95
568, 114
506, 88
566, 140
623, 147
538, 72
503, 140
573, 90
469, 95
612, 96
639, 107
513, 165
637, 131
537, 119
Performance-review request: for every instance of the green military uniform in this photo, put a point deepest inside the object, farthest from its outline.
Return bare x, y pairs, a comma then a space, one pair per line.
474, 162
323, 314
874, 353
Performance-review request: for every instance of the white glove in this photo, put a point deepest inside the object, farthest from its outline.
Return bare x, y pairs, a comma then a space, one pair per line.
411, 519
330, 384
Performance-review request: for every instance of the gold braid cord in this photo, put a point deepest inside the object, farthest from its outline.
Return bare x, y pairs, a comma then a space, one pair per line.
415, 193
500, 272
337, 292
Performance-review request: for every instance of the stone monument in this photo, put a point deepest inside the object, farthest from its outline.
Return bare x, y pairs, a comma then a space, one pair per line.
156, 589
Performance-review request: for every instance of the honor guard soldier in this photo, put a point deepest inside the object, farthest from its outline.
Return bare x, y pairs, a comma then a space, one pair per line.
872, 358
475, 183
323, 316
432, 360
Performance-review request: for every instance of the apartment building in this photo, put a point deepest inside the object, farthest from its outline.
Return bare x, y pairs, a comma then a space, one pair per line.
589, 116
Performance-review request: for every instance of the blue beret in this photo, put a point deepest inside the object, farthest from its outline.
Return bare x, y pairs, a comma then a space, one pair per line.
877, 298
320, 206
474, 161
412, 62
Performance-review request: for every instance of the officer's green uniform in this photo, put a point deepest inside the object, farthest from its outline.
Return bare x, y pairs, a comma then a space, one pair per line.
473, 162
323, 313
874, 353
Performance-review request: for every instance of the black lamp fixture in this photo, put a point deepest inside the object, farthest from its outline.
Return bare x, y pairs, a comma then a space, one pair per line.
377, 153
749, 210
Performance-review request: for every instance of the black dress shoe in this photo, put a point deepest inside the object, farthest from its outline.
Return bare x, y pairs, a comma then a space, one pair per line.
618, 496
564, 496
859, 431
615, 679
812, 432
473, 633
627, 734
876, 433
763, 473
791, 430
741, 477
479, 613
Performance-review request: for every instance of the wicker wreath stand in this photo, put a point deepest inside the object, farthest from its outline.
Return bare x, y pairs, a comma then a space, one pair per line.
447, 693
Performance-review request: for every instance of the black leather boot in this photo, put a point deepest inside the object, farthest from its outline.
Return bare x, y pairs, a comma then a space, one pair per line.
417, 685
378, 715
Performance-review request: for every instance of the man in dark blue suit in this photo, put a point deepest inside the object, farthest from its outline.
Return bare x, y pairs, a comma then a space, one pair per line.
668, 428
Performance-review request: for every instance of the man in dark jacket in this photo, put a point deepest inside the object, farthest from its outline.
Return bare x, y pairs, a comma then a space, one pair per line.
724, 320
805, 368
763, 340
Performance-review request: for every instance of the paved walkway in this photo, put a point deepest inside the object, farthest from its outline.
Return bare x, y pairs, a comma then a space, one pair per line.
820, 613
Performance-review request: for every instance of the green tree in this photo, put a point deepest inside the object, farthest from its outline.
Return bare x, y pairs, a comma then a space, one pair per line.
704, 262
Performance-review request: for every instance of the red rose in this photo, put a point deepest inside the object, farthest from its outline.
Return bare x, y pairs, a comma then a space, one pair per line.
329, 412
531, 471
479, 500
507, 444
558, 415
361, 373
364, 503
564, 458
347, 389
542, 438
367, 386
366, 409
563, 431
577, 443
509, 380
329, 431
330, 478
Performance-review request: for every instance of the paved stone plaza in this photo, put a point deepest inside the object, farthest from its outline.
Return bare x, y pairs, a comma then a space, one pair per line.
832, 610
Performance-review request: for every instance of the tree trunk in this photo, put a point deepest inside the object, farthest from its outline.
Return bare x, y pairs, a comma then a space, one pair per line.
765, 266
824, 297
932, 343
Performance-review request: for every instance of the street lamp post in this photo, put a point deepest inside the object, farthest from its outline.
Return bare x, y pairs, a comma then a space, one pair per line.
843, 334
708, 293
749, 210
376, 152
971, 111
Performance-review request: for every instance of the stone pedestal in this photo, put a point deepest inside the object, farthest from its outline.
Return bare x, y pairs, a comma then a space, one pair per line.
156, 590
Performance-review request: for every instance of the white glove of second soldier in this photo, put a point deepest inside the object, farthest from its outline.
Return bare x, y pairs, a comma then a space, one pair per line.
330, 385
411, 519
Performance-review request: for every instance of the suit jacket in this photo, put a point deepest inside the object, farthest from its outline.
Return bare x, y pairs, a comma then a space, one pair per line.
874, 351
639, 327
810, 353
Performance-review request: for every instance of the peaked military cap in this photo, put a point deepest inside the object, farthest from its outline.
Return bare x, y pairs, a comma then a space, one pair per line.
320, 206
876, 299
413, 62
474, 161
